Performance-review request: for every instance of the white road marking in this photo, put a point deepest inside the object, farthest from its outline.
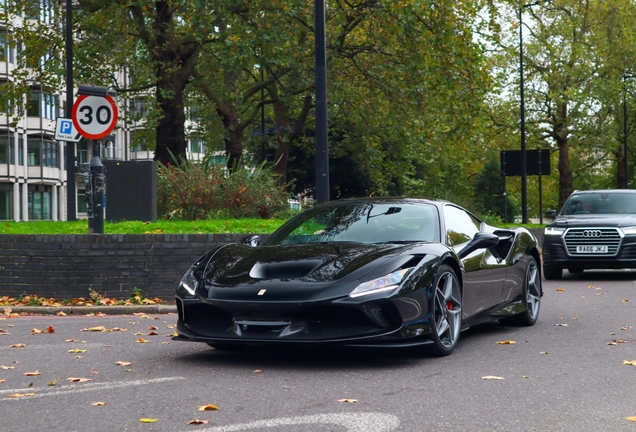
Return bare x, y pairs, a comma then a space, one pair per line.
80, 388
354, 422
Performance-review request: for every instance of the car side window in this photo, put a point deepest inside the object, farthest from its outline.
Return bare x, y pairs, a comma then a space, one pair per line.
461, 226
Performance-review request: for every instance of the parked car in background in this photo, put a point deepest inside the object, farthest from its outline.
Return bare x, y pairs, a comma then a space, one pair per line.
381, 272
596, 229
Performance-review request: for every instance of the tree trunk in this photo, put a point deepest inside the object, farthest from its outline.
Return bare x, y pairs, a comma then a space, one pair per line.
170, 129
566, 185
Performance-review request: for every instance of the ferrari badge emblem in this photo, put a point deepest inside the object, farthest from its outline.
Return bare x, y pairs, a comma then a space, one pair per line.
261, 292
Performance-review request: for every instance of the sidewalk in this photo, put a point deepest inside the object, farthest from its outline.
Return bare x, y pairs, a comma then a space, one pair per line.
85, 310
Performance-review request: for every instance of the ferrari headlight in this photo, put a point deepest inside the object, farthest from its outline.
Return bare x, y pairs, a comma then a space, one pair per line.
629, 230
553, 231
385, 283
189, 282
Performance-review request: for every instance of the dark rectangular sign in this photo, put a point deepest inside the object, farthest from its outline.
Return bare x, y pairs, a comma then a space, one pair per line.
537, 162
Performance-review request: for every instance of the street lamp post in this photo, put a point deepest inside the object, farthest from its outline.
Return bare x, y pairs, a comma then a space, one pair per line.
522, 125
625, 148
322, 148
71, 207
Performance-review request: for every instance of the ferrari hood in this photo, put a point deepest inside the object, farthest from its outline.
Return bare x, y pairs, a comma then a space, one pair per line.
239, 265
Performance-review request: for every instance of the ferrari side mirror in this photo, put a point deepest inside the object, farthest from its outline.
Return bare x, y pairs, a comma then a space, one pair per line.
482, 240
253, 240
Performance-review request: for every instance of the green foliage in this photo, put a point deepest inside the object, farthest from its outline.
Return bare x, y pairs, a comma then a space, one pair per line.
193, 190
489, 195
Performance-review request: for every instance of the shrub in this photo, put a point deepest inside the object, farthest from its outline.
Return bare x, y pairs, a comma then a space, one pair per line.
189, 190
193, 190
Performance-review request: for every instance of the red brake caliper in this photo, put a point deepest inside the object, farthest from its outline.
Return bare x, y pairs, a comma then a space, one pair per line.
449, 305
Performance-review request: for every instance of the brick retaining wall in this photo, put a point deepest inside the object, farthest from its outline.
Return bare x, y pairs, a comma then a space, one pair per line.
65, 266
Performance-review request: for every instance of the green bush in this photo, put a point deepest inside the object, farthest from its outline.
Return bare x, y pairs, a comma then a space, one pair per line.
193, 190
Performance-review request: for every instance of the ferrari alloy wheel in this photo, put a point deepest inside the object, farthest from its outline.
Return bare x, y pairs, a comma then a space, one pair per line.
531, 297
445, 311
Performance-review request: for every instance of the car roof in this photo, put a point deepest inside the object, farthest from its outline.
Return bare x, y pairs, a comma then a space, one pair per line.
596, 191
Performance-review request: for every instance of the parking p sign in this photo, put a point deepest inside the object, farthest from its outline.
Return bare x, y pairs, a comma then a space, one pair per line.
65, 130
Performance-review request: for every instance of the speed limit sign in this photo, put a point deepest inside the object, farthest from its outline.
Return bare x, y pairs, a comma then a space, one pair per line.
94, 117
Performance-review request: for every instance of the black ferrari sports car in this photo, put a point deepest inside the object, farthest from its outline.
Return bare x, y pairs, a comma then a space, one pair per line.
372, 272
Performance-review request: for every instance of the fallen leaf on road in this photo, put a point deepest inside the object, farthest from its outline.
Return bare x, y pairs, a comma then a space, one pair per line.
492, 377
153, 333
36, 331
36, 373
626, 328
153, 328
561, 325
506, 342
631, 419
348, 400
93, 372
75, 379
148, 420
142, 340
50, 329
631, 363
78, 357
258, 371
61, 313
196, 421
95, 329
98, 403
123, 363
2, 380
77, 351
4, 332
560, 290
52, 383
525, 376
165, 343
624, 301
18, 345
208, 407
70, 340
19, 395
617, 341
100, 314
3, 367
544, 352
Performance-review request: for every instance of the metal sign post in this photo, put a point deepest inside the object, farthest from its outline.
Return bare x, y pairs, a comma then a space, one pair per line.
95, 116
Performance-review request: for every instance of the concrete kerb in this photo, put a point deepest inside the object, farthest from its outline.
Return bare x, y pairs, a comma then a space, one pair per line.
86, 310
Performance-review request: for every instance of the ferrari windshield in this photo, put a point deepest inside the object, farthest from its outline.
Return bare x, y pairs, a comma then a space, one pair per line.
600, 203
361, 223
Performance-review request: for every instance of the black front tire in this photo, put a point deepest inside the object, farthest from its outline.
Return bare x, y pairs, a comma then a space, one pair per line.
552, 273
531, 293
445, 312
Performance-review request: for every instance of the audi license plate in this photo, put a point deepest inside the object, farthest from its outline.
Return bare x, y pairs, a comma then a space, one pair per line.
591, 249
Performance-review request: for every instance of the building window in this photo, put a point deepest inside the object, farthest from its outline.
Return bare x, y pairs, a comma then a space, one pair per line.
197, 146
43, 105
34, 152
6, 50
81, 199
6, 201
7, 148
139, 107
20, 151
39, 202
82, 152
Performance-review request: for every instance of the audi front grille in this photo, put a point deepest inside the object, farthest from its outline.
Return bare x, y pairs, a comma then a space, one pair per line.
609, 237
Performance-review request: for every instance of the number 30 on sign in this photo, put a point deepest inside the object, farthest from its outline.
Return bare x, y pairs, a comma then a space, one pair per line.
94, 117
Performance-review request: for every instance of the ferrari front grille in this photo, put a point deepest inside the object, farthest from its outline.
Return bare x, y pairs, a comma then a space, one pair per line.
206, 320
339, 322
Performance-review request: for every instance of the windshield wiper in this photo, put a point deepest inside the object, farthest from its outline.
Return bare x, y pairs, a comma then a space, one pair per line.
399, 242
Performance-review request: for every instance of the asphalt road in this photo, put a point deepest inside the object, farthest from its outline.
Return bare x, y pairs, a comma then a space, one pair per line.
560, 375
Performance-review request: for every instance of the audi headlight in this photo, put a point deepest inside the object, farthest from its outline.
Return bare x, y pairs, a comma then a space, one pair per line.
189, 282
629, 230
553, 231
385, 283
